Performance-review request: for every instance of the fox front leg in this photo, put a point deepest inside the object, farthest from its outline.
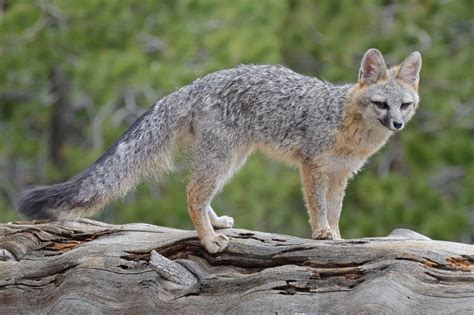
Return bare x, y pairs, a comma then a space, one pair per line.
337, 183
315, 185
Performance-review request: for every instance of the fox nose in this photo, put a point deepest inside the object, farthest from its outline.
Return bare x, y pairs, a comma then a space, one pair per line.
397, 125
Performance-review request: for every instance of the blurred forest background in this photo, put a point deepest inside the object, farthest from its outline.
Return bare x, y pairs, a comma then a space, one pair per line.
75, 74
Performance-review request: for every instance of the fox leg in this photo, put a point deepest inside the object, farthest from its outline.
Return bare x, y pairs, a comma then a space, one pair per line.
201, 190
219, 222
315, 185
211, 170
334, 196
238, 160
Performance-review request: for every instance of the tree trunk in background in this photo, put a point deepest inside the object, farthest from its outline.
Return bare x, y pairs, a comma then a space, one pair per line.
90, 267
61, 121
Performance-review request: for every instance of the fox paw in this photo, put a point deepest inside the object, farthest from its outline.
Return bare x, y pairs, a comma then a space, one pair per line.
223, 222
325, 234
216, 244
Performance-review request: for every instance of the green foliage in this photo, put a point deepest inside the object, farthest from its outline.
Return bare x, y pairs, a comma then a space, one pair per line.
121, 56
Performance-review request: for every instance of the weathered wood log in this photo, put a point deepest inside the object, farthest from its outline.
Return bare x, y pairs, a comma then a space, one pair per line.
89, 267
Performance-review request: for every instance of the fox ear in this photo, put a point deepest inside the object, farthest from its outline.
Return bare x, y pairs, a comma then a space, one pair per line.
409, 71
372, 67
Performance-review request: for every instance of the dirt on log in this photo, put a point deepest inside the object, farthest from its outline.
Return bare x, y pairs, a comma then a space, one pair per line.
88, 267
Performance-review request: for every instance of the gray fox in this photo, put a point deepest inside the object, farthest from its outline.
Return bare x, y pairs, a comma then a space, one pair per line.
327, 130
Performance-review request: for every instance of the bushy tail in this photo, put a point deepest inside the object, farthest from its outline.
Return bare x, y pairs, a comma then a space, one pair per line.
144, 150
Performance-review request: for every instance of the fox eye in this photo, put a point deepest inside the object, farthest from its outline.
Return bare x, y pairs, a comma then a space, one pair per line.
405, 105
381, 105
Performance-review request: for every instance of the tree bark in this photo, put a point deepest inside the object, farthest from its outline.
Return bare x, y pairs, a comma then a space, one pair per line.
88, 267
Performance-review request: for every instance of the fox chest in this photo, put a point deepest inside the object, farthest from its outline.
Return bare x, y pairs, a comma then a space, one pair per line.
342, 163
352, 149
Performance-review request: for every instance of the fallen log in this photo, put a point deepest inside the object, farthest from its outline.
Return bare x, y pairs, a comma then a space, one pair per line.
90, 267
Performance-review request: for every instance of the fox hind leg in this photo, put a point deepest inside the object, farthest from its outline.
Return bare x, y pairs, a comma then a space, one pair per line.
238, 160
200, 193
210, 172
219, 222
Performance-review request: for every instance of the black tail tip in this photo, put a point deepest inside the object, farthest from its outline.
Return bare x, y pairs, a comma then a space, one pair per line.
35, 203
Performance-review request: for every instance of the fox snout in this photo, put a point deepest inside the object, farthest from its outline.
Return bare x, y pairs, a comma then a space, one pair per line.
397, 125
393, 124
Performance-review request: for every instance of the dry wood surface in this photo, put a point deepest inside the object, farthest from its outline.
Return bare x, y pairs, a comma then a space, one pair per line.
89, 267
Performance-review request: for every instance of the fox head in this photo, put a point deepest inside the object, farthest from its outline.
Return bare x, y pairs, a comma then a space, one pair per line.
388, 97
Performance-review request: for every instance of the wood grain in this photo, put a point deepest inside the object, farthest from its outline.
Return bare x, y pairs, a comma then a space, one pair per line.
88, 267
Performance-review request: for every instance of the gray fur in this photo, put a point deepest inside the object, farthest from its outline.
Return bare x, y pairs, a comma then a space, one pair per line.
267, 104
222, 118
